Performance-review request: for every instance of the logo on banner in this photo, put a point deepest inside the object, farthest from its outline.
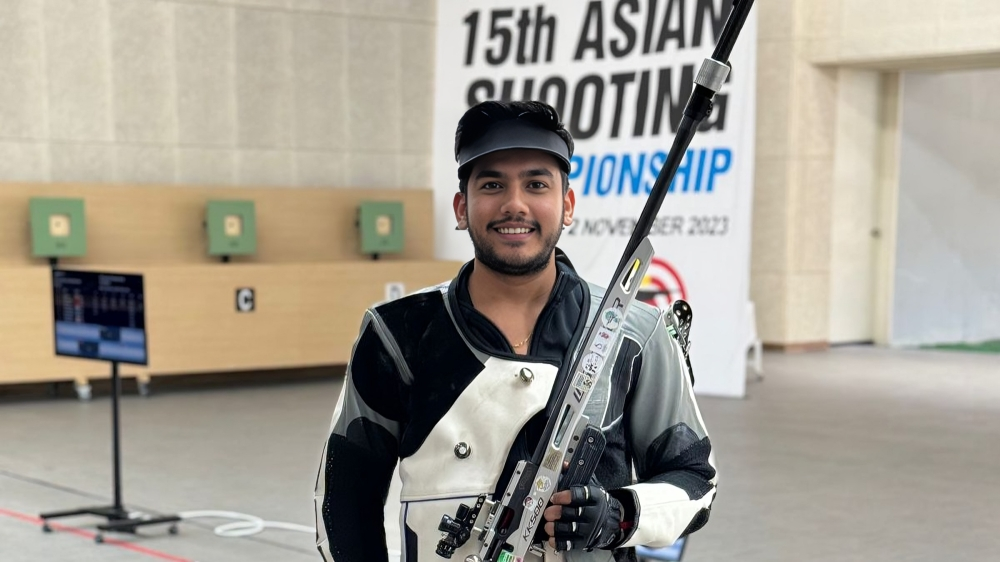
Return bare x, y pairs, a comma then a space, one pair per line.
662, 284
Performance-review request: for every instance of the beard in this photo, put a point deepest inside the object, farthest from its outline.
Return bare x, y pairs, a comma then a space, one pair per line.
518, 266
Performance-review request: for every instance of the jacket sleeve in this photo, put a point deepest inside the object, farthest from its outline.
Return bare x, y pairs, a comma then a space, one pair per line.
361, 451
673, 455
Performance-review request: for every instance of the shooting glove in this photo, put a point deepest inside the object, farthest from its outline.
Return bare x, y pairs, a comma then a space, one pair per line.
591, 520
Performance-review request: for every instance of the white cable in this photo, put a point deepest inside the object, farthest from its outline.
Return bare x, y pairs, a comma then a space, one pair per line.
246, 525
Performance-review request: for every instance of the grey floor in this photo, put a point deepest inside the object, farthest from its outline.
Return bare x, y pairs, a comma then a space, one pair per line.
857, 454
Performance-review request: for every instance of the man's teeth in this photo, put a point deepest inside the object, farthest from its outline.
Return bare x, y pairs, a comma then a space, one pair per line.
514, 230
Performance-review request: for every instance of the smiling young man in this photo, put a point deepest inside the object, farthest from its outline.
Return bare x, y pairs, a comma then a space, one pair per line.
514, 206
452, 382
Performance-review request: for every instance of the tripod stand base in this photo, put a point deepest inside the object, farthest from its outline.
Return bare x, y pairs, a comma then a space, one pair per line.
119, 520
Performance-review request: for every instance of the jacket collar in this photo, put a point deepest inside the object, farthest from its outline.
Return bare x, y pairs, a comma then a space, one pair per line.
560, 321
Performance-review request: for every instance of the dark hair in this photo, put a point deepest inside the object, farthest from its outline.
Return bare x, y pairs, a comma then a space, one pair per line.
479, 118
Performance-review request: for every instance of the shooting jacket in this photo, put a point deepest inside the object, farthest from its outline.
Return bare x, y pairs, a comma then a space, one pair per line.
433, 385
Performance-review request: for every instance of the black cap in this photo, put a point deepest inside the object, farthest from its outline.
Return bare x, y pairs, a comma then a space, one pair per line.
519, 130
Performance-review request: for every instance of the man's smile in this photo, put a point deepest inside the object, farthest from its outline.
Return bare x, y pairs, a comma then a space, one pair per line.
513, 231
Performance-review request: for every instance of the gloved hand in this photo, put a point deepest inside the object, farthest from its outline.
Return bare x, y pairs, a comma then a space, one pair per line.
583, 517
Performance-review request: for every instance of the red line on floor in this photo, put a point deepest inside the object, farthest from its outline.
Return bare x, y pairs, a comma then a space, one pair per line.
89, 535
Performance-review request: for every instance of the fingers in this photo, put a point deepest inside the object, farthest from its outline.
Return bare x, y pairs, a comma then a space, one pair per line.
580, 495
561, 498
575, 495
561, 546
585, 516
570, 513
562, 529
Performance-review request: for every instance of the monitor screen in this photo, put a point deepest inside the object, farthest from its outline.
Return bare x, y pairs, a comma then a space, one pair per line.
99, 316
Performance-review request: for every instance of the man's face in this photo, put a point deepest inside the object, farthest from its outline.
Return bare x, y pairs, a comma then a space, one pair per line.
515, 210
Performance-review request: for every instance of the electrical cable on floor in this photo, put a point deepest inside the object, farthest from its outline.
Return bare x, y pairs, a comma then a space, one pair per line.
246, 525
142, 510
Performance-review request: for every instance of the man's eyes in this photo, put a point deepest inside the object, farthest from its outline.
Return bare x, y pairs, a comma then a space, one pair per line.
492, 185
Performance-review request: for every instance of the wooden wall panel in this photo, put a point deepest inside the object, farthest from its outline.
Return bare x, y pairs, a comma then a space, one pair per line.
312, 286
305, 315
163, 224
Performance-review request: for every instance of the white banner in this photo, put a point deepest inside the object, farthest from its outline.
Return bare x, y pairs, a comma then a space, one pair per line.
620, 73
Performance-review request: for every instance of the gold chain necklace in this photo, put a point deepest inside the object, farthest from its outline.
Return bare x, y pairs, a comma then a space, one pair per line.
524, 341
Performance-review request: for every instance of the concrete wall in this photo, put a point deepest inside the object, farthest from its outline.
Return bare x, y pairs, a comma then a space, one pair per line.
901, 33
813, 115
794, 175
340, 93
226, 92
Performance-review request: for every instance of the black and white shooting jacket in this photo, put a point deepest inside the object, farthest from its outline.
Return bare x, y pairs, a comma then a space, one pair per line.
433, 385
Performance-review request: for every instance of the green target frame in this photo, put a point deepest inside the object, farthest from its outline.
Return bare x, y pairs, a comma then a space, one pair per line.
232, 228
380, 224
58, 227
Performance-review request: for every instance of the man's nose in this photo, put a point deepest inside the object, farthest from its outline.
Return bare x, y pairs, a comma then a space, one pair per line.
515, 203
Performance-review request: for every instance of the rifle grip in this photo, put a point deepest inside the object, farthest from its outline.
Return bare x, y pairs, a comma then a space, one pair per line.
584, 461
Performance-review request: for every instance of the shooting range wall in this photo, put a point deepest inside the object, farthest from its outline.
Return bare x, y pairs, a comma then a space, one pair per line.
311, 284
233, 93
129, 105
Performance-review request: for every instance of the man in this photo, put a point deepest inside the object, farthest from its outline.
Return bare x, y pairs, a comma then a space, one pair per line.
452, 381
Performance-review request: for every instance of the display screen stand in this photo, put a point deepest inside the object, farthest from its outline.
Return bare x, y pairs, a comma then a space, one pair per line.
119, 519
101, 316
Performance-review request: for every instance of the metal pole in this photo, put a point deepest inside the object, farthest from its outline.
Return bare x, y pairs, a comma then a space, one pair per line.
116, 389
698, 107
